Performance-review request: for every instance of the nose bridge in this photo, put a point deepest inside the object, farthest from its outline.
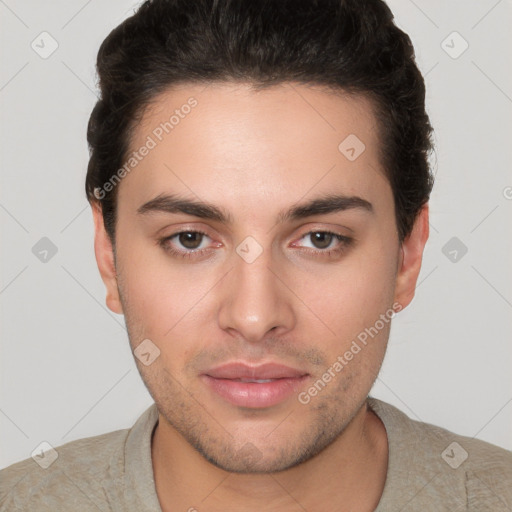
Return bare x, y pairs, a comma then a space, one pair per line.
254, 301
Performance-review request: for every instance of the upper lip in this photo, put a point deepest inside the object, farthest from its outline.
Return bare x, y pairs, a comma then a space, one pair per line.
236, 370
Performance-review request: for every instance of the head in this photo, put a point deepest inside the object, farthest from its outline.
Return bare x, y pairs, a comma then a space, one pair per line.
287, 141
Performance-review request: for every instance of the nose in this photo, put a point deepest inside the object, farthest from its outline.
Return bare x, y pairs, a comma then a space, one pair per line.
255, 299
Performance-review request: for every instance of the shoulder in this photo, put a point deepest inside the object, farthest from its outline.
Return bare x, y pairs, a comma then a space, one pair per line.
429, 463
73, 473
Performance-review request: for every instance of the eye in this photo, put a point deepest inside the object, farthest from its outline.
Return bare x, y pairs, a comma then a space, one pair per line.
326, 242
190, 239
185, 243
193, 243
321, 239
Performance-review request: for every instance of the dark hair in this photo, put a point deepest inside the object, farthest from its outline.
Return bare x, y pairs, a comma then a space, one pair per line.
347, 45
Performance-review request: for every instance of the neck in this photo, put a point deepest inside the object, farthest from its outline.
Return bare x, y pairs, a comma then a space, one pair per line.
347, 475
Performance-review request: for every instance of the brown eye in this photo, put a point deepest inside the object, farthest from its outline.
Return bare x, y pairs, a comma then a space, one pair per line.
190, 239
321, 239
325, 243
187, 244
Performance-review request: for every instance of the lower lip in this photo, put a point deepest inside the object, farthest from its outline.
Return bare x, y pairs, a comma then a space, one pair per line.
253, 394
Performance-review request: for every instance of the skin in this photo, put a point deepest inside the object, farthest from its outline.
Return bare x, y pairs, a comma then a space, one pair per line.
254, 154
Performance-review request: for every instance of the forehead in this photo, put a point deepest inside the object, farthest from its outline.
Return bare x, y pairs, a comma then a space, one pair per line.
248, 148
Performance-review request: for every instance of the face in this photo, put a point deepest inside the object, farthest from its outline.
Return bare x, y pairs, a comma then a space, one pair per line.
258, 297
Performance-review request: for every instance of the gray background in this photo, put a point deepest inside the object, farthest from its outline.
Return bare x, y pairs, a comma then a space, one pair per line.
66, 367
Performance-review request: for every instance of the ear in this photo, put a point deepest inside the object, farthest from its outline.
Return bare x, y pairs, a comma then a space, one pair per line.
105, 259
411, 253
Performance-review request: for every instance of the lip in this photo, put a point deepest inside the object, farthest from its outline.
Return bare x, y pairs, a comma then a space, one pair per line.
237, 370
284, 381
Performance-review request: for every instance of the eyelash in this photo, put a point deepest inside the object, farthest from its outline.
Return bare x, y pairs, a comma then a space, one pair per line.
345, 242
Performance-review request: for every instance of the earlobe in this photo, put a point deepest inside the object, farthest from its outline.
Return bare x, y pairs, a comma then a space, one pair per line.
105, 259
411, 254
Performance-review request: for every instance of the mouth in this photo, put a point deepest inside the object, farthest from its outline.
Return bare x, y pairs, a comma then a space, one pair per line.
254, 387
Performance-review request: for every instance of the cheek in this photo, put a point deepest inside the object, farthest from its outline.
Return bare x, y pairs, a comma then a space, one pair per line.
163, 301
351, 294
162, 298
354, 304
149, 278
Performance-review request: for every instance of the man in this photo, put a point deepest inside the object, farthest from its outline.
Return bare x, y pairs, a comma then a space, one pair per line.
259, 184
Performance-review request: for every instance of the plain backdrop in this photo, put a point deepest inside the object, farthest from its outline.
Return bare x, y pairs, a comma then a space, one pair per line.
66, 367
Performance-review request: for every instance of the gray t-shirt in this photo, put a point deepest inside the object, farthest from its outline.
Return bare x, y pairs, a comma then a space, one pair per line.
429, 469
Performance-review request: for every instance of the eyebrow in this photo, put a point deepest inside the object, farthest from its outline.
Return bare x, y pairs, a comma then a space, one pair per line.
331, 203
